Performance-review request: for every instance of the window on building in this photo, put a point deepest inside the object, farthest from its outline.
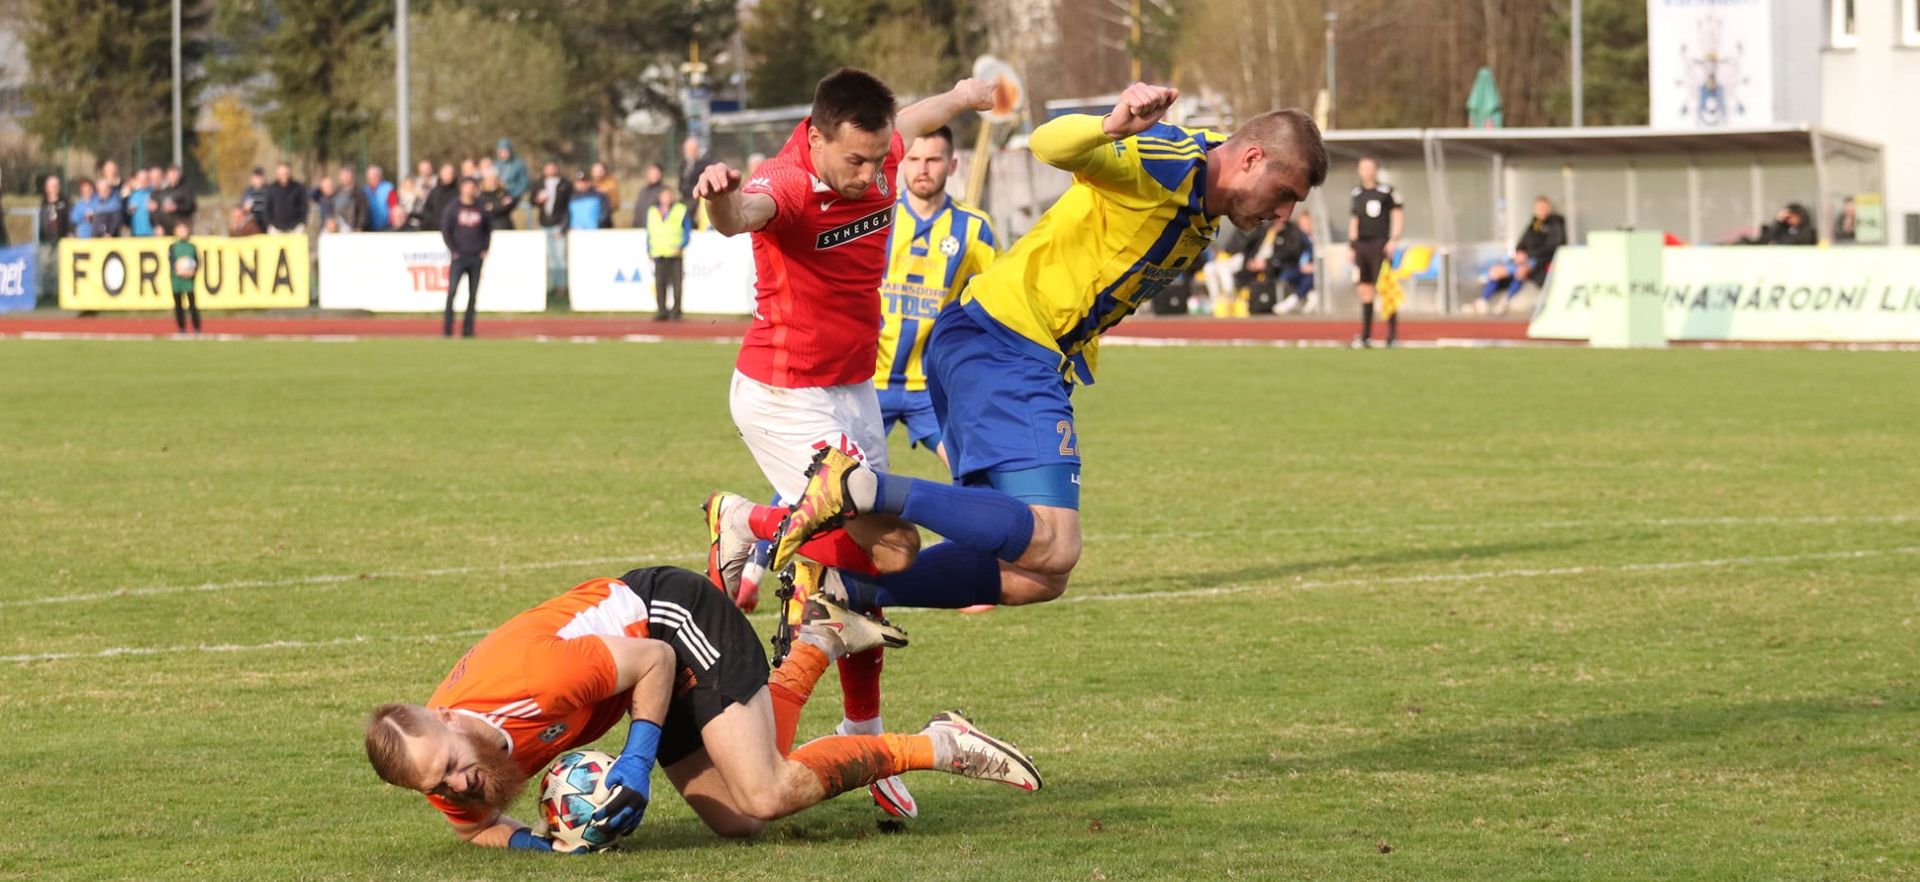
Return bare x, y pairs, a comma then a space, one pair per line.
1910, 22
1843, 34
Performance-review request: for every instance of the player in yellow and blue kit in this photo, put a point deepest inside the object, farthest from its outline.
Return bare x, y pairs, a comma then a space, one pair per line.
936, 246
1002, 363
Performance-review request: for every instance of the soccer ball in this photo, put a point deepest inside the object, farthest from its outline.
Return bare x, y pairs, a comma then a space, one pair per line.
185, 267
573, 788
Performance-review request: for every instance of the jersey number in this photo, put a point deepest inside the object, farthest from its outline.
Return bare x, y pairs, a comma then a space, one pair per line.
1065, 428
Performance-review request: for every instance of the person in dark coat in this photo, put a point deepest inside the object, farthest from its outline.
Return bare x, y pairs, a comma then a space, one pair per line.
286, 202
467, 228
445, 192
1532, 257
497, 200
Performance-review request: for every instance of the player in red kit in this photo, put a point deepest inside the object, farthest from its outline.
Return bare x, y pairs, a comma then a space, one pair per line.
820, 213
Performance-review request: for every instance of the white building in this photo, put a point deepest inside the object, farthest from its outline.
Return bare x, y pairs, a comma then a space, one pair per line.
1869, 82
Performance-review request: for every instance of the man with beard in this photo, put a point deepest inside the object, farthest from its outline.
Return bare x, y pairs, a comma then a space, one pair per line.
938, 245
1003, 361
660, 646
819, 214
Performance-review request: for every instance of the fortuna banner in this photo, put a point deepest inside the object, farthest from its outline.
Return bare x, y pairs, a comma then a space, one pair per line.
1758, 293
235, 272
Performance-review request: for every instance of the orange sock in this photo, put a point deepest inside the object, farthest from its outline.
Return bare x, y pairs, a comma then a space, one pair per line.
791, 685
849, 762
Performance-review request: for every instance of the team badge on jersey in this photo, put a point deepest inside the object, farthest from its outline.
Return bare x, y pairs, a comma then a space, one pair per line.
949, 246
554, 731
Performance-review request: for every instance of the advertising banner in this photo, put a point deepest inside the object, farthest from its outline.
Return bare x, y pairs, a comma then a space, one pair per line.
234, 272
407, 272
609, 271
1756, 293
1710, 63
17, 268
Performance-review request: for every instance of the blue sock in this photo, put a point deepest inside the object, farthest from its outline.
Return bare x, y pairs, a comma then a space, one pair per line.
981, 518
945, 576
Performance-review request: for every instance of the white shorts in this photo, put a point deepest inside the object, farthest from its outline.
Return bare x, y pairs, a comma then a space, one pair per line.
783, 428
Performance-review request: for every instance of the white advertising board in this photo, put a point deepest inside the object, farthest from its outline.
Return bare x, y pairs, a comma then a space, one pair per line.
1709, 63
609, 271
407, 272
1758, 293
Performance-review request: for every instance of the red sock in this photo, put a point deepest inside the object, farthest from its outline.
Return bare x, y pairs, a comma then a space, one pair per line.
860, 683
790, 685
765, 519
838, 550
833, 548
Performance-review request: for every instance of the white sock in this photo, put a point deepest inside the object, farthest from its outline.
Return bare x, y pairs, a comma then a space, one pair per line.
943, 747
826, 641
862, 727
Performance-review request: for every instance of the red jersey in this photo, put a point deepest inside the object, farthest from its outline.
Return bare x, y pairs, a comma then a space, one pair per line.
544, 680
818, 263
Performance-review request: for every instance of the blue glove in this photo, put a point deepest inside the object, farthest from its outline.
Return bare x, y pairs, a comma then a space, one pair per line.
629, 782
524, 840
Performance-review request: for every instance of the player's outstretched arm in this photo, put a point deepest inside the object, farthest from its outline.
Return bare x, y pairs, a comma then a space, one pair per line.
647, 667
928, 114
730, 211
1080, 144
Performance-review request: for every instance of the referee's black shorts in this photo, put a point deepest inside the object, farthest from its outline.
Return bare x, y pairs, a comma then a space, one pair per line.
721, 660
1368, 255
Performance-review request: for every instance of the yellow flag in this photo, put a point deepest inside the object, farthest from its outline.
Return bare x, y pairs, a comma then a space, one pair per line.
1391, 294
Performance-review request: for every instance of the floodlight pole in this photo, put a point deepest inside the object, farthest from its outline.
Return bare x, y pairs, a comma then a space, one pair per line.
402, 119
1331, 18
1579, 110
179, 152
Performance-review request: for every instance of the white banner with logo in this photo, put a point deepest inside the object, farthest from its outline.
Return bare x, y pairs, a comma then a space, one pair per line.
1760, 293
609, 271
1710, 63
407, 272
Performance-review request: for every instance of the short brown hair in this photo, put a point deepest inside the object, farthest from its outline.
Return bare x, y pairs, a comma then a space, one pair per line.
1289, 136
386, 746
851, 95
944, 133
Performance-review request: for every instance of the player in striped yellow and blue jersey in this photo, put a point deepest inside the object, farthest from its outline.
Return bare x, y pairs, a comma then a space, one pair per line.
1001, 363
936, 246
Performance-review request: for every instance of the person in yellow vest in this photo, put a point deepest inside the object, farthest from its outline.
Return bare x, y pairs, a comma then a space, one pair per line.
669, 229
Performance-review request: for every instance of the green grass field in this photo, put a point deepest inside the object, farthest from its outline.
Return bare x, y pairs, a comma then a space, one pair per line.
1515, 614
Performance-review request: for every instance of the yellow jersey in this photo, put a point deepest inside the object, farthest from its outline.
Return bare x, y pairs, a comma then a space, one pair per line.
928, 261
1133, 221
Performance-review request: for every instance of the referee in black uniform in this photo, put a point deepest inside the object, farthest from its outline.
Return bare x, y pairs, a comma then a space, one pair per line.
1373, 232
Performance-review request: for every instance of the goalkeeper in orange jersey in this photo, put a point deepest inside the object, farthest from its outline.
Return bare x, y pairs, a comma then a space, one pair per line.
661, 647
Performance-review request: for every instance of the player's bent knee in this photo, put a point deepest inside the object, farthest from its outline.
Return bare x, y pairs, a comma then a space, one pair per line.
1020, 587
737, 828
764, 805
1055, 549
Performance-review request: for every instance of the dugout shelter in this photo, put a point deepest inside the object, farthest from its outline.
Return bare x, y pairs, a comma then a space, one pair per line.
1470, 192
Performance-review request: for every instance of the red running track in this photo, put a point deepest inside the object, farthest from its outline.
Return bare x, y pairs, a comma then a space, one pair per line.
705, 328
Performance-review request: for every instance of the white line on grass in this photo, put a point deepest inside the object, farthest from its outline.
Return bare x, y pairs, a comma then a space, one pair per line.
1297, 585
636, 559
120, 651
1817, 520
1486, 575
639, 558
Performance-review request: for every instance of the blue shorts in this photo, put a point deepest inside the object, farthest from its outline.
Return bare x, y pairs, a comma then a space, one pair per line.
913, 408
1006, 411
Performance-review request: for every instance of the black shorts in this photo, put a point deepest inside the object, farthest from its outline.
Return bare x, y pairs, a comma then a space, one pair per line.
1368, 255
721, 660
